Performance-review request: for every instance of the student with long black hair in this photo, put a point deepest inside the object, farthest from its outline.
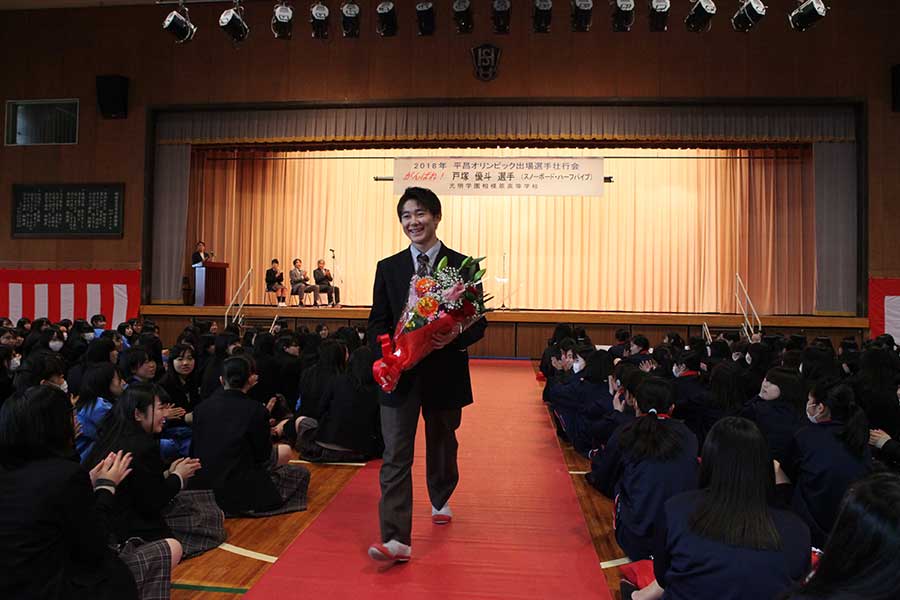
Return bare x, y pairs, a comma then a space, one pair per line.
623, 384
725, 540
876, 388
152, 502
180, 384
645, 463
136, 366
99, 351
725, 397
316, 379
224, 347
827, 456
778, 409
861, 560
99, 389
55, 516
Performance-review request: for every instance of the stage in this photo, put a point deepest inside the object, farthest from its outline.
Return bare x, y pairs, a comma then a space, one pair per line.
521, 333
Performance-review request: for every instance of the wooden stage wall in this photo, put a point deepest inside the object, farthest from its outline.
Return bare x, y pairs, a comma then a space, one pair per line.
521, 334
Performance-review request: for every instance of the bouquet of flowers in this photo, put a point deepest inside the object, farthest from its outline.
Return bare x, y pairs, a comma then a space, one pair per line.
448, 298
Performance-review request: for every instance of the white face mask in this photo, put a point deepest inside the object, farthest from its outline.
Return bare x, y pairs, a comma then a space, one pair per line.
15, 363
812, 418
676, 371
56, 345
64, 387
361, 334
578, 365
736, 356
748, 359
88, 336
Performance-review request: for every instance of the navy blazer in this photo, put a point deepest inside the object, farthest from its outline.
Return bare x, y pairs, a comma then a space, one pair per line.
442, 379
690, 567
777, 420
821, 470
690, 403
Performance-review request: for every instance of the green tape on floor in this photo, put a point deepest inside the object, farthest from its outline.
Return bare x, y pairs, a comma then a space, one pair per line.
210, 588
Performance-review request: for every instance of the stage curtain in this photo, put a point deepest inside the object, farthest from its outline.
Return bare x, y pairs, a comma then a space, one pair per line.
667, 236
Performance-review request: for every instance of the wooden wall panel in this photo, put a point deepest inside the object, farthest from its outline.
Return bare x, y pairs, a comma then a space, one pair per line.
57, 53
499, 341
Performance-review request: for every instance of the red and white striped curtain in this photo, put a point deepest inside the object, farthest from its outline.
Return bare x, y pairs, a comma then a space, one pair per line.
70, 294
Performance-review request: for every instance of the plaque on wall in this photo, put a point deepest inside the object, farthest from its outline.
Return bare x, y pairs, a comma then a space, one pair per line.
79, 210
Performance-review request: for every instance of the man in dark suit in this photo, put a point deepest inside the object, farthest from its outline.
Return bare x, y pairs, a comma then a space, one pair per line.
200, 256
439, 386
325, 281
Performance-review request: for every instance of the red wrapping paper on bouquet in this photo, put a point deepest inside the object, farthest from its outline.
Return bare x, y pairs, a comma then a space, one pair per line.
410, 348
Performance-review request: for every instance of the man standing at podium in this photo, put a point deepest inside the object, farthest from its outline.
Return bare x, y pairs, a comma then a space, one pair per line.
200, 256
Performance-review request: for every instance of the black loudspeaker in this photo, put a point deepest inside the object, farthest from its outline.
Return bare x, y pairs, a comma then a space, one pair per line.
112, 96
895, 88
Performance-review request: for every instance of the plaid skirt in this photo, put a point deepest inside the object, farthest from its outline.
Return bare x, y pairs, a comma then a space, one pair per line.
196, 521
291, 481
151, 565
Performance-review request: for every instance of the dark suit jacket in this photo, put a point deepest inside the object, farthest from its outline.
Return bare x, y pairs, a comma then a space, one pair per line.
272, 278
321, 278
196, 258
441, 380
54, 535
233, 441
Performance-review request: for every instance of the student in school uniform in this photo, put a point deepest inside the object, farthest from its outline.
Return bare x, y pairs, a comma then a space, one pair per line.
778, 409
862, 556
100, 388
725, 540
690, 391
639, 350
827, 456
623, 384
645, 463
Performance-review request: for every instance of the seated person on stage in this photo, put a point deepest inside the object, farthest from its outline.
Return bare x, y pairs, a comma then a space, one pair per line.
233, 440
300, 283
324, 281
200, 256
275, 282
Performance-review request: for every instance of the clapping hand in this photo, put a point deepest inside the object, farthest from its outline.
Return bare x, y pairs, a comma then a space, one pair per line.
115, 468
185, 467
878, 438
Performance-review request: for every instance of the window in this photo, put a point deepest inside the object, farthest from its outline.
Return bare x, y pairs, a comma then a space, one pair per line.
34, 122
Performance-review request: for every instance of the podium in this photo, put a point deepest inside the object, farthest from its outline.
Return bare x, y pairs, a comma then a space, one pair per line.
209, 284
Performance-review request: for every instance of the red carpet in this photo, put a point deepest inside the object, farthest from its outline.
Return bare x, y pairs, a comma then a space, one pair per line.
518, 531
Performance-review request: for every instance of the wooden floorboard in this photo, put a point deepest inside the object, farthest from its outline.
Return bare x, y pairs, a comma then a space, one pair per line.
270, 535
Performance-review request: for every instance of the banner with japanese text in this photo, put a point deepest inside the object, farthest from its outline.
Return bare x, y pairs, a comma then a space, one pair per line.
509, 176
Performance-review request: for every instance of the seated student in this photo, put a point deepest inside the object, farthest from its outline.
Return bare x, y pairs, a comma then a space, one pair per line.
758, 360
622, 385
151, 502
620, 349
9, 362
350, 427
300, 284
99, 351
152, 345
180, 384
886, 449
645, 463
674, 340
689, 391
54, 515
639, 350
288, 368
562, 357
127, 332
861, 559
136, 366
560, 332
98, 322
80, 335
725, 397
827, 456
275, 282
590, 402
99, 389
232, 438
726, 540
777, 410
225, 345
316, 379
266, 367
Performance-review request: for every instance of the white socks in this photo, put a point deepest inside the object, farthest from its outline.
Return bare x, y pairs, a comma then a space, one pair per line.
444, 511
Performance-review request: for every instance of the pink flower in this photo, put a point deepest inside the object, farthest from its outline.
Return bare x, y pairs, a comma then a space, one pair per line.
455, 292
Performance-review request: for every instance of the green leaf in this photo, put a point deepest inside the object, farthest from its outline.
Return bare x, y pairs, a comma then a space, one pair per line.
442, 264
479, 275
465, 263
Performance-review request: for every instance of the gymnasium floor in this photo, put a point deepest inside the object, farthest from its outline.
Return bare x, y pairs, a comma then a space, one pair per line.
507, 409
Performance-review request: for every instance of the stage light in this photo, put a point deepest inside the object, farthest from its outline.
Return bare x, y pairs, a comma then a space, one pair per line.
350, 19
623, 15
748, 15
582, 15
500, 14
387, 19
807, 14
659, 15
425, 18
699, 18
462, 16
178, 23
232, 22
282, 22
542, 15
318, 18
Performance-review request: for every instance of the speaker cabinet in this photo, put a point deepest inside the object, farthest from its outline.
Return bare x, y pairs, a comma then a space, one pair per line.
112, 96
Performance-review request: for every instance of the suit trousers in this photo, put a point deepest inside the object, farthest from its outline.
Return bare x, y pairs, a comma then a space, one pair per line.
398, 426
334, 293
